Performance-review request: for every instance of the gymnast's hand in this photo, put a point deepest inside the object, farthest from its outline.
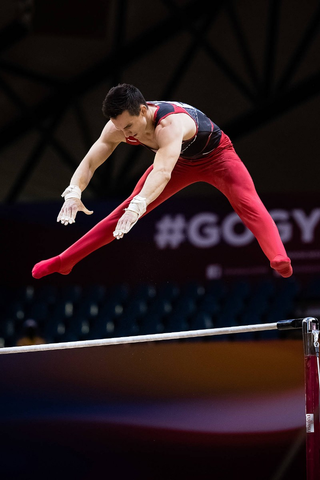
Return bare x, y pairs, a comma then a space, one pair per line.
125, 223
69, 210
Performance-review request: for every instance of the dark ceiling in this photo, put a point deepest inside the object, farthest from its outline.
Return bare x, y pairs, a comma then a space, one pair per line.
253, 66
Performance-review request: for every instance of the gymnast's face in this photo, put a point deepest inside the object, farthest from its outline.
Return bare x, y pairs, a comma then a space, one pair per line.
132, 125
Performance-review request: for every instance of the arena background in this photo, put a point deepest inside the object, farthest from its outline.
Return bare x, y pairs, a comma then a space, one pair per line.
253, 67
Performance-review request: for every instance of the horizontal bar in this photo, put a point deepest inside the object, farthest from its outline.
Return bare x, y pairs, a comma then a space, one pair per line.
207, 332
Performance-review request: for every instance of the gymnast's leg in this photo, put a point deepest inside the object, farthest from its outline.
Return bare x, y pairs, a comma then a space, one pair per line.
102, 233
232, 178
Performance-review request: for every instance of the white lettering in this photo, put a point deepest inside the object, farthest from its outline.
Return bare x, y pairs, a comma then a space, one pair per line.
307, 224
207, 229
202, 230
231, 236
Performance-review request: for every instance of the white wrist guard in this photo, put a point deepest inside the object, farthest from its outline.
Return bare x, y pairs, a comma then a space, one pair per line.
73, 191
138, 205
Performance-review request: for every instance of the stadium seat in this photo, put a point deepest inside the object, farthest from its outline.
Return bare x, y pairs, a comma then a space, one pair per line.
201, 320
94, 293
88, 308
78, 327
126, 325
217, 288
160, 306
71, 293
111, 309
102, 327
145, 292
54, 330
194, 290
8, 332
168, 291
151, 323
184, 307
48, 294
209, 304
39, 311
135, 309
176, 323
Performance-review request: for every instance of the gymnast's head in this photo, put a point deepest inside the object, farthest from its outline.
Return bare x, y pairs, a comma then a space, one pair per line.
123, 97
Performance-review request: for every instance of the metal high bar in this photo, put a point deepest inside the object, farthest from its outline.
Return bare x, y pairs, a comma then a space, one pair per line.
157, 337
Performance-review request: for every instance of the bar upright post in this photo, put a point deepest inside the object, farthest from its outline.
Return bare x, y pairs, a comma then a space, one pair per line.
310, 332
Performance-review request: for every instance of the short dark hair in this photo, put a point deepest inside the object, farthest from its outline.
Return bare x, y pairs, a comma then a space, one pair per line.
121, 98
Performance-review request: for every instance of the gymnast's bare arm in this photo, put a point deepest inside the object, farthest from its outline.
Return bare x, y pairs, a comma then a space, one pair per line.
169, 136
96, 156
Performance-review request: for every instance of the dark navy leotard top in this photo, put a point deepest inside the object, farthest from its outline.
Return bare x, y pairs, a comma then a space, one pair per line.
206, 138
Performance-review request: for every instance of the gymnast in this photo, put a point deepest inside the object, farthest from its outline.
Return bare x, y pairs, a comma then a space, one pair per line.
188, 147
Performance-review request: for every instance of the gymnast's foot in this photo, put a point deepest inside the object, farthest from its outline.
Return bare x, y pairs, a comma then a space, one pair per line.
46, 267
282, 265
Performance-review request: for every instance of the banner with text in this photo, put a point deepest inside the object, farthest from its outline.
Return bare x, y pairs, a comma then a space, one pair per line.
182, 239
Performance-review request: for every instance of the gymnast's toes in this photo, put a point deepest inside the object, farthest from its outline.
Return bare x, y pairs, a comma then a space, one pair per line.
282, 265
46, 267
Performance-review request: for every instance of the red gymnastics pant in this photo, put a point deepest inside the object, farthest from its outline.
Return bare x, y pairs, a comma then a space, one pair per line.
225, 171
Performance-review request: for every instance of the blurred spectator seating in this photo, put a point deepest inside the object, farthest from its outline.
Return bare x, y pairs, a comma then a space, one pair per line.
78, 313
